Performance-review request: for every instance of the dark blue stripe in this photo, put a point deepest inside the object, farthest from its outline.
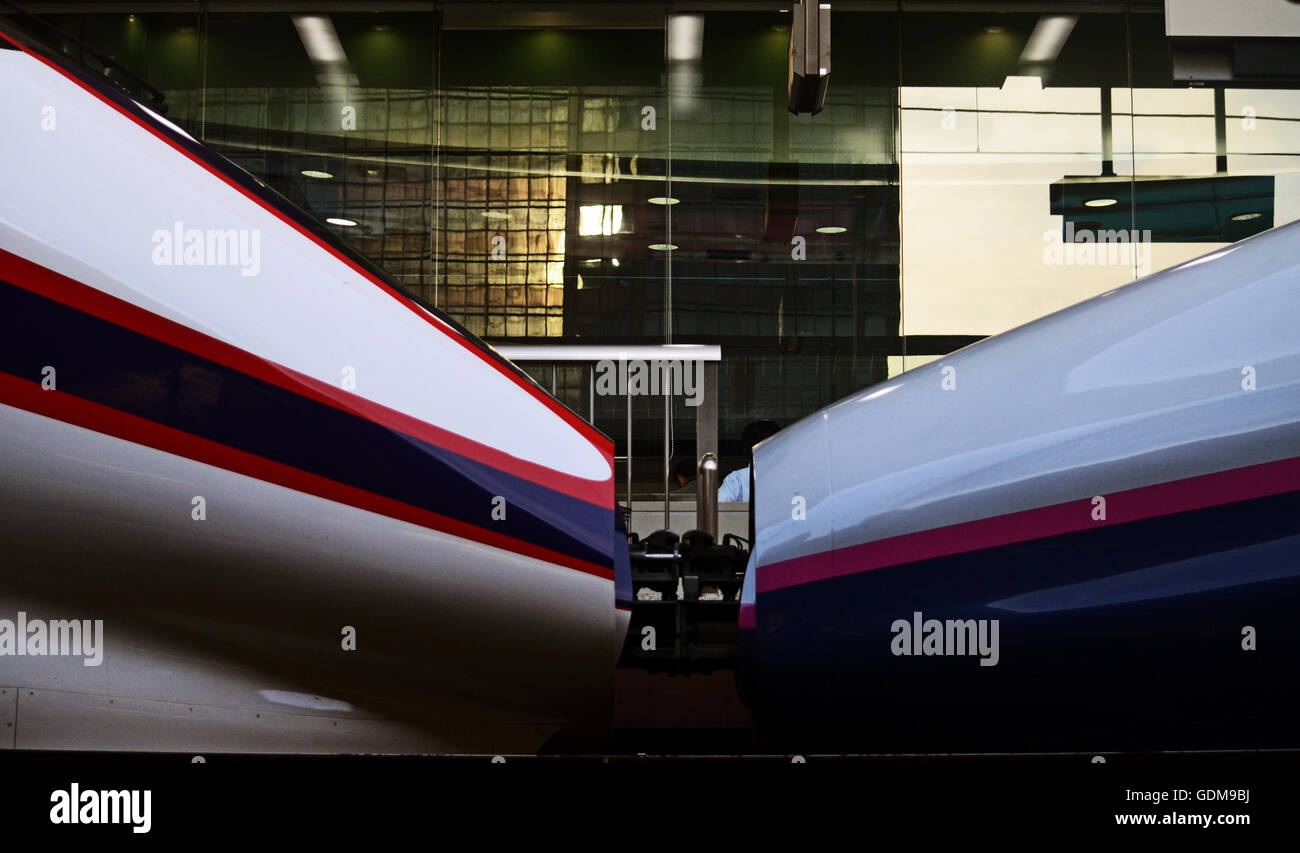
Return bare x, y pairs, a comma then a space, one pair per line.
1125, 628
116, 367
622, 565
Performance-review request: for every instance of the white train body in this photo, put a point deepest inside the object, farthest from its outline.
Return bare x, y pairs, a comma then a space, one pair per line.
223, 432
1114, 489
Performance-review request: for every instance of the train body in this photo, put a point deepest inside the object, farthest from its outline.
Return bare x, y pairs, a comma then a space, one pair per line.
312, 513
1083, 532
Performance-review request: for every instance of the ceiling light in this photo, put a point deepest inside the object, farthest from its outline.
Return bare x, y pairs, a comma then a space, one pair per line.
1246, 217
614, 261
664, 199
685, 38
831, 229
319, 39
338, 220
316, 173
1048, 37
1099, 202
663, 247
993, 31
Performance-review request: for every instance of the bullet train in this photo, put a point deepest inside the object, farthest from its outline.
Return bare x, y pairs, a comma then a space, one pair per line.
306, 513
291, 509
1082, 533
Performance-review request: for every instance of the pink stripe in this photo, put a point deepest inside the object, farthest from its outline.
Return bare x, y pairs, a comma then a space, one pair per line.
31, 276
748, 618
1223, 487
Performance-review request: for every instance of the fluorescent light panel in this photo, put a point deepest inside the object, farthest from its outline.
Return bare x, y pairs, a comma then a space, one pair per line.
1047, 39
685, 38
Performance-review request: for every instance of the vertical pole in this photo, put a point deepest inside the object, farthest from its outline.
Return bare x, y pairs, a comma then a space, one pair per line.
706, 414
706, 495
1220, 131
668, 401
1107, 129
629, 452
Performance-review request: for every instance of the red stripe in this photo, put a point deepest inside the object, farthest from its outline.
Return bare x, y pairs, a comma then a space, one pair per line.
83, 413
1207, 490
60, 288
585, 429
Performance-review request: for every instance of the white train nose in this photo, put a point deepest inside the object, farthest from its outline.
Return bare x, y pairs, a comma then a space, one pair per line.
243, 390
1077, 503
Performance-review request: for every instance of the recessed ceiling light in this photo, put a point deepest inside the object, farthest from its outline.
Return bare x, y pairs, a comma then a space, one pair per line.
663, 247
614, 261
993, 31
664, 199
319, 39
316, 173
1246, 217
831, 229
1099, 202
1047, 39
495, 214
338, 220
381, 28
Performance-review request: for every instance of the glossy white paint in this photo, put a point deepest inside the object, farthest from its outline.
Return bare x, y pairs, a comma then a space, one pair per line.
1138, 386
460, 646
484, 637
158, 694
86, 197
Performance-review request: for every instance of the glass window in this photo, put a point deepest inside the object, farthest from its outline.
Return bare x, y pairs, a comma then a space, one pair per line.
624, 173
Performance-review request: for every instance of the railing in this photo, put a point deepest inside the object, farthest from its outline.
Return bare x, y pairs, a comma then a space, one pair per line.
666, 358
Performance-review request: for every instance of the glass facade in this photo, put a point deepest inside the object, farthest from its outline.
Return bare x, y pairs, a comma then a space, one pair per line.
612, 173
